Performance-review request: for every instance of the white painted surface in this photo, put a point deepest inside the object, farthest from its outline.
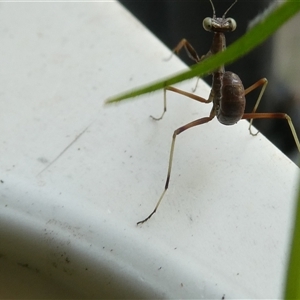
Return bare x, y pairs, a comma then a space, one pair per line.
77, 176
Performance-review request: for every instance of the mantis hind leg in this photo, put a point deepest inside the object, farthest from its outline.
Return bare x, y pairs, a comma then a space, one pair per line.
176, 132
262, 82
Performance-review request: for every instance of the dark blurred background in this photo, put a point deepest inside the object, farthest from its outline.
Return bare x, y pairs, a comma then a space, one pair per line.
171, 21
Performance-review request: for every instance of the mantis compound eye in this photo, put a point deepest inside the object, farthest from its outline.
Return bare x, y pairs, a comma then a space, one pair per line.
231, 24
207, 24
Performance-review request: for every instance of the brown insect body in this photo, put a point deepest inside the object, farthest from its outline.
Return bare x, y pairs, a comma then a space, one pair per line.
231, 105
228, 93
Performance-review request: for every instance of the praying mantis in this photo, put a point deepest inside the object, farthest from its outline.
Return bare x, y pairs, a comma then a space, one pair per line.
227, 94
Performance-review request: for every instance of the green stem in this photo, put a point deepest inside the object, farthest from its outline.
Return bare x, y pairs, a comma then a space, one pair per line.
245, 44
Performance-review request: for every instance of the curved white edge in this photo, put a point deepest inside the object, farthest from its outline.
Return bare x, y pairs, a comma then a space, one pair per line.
76, 176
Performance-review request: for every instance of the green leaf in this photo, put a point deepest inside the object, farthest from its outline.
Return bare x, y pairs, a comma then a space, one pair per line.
245, 44
292, 288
